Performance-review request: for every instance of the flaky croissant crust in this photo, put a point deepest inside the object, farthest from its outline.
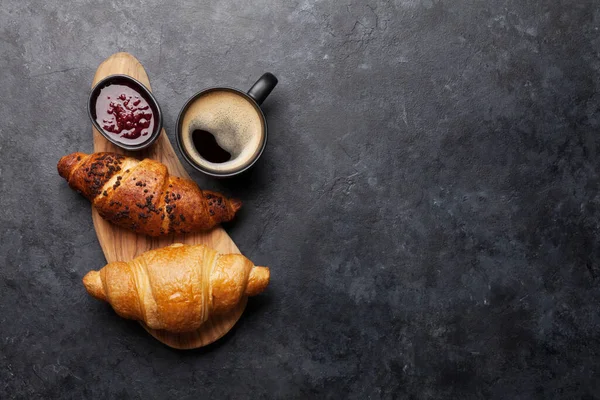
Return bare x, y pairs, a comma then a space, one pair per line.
177, 288
142, 196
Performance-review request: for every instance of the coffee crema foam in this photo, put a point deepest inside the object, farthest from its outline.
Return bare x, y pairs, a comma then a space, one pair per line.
232, 120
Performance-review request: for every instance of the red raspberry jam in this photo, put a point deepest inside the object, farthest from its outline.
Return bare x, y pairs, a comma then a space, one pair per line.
123, 112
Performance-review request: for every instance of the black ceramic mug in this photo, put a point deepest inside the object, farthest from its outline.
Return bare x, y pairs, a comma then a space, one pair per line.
222, 131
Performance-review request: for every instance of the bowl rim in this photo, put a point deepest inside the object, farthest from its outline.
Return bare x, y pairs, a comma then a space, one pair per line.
158, 122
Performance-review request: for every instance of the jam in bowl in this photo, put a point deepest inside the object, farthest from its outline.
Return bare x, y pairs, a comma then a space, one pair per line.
124, 111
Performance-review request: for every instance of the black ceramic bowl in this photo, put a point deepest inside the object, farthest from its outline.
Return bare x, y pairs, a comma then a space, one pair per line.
144, 92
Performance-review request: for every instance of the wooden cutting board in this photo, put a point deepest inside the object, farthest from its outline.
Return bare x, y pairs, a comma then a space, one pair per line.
121, 245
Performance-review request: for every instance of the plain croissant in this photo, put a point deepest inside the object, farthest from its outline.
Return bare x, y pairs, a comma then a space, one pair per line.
142, 196
177, 288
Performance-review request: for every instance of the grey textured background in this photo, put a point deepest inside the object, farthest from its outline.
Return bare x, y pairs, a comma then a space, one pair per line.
428, 201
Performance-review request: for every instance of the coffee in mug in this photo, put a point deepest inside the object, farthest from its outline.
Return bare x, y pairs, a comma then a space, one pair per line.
222, 131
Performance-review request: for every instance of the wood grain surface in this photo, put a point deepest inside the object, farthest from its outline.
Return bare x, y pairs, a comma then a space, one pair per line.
122, 245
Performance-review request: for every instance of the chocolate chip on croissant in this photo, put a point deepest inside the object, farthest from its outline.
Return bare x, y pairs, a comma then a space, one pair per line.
177, 288
142, 196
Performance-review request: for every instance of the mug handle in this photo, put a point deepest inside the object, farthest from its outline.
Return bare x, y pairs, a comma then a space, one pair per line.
263, 87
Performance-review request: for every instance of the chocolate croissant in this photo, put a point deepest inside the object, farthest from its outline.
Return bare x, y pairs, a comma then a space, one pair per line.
142, 196
177, 288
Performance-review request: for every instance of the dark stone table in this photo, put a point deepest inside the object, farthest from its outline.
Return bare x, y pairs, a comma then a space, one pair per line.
428, 202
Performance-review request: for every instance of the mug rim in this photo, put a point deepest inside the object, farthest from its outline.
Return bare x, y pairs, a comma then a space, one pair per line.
93, 97
180, 131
